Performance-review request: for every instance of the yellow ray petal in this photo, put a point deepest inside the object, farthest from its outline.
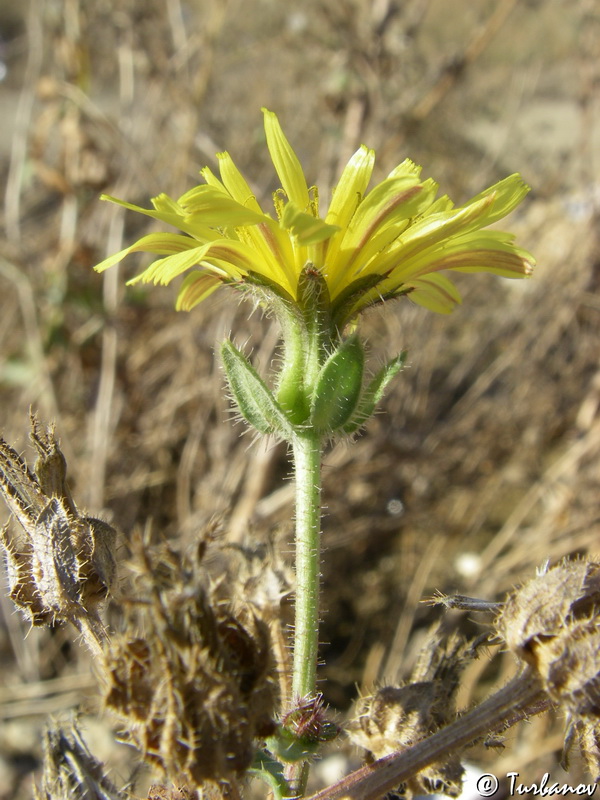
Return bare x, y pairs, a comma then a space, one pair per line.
285, 162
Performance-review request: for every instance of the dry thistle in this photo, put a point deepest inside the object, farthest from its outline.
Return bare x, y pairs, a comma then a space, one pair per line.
396, 718
61, 566
196, 687
552, 624
71, 771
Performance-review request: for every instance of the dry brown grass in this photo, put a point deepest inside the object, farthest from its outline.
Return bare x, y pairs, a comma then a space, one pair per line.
489, 443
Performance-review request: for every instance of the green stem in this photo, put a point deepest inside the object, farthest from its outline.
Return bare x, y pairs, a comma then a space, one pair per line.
307, 461
306, 446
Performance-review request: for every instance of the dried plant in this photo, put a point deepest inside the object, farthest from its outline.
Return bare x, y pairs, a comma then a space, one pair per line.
487, 433
551, 625
197, 689
61, 565
397, 717
192, 672
70, 770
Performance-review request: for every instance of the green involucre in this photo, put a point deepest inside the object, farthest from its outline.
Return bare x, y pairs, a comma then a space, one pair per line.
374, 393
338, 387
252, 396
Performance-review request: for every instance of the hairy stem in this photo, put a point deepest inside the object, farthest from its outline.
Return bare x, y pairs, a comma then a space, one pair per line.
307, 464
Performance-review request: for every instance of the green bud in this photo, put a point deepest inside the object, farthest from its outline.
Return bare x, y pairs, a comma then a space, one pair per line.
252, 396
374, 392
290, 748
338, 386
313, 293
315, 305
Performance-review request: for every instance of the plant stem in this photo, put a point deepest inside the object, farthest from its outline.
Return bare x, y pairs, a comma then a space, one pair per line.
307, 464
306, 447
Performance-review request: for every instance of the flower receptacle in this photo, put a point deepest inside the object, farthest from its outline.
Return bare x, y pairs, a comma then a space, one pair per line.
337, 401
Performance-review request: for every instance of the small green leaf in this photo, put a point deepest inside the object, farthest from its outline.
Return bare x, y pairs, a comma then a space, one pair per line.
374, 392
269, 770
338, 386
252, 396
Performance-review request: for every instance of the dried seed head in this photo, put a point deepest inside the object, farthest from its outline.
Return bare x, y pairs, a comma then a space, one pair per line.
62, 564
544, 606
70, 770
552, 624
587, 732
196, 686
396, 718
570, 667
51, 466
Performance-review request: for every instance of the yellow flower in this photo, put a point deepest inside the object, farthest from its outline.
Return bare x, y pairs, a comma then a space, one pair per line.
370, 246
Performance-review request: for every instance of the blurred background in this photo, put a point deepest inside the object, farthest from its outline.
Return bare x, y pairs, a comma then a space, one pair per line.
484, 460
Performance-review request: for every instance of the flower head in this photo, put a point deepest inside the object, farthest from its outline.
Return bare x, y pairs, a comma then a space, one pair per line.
370, 246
